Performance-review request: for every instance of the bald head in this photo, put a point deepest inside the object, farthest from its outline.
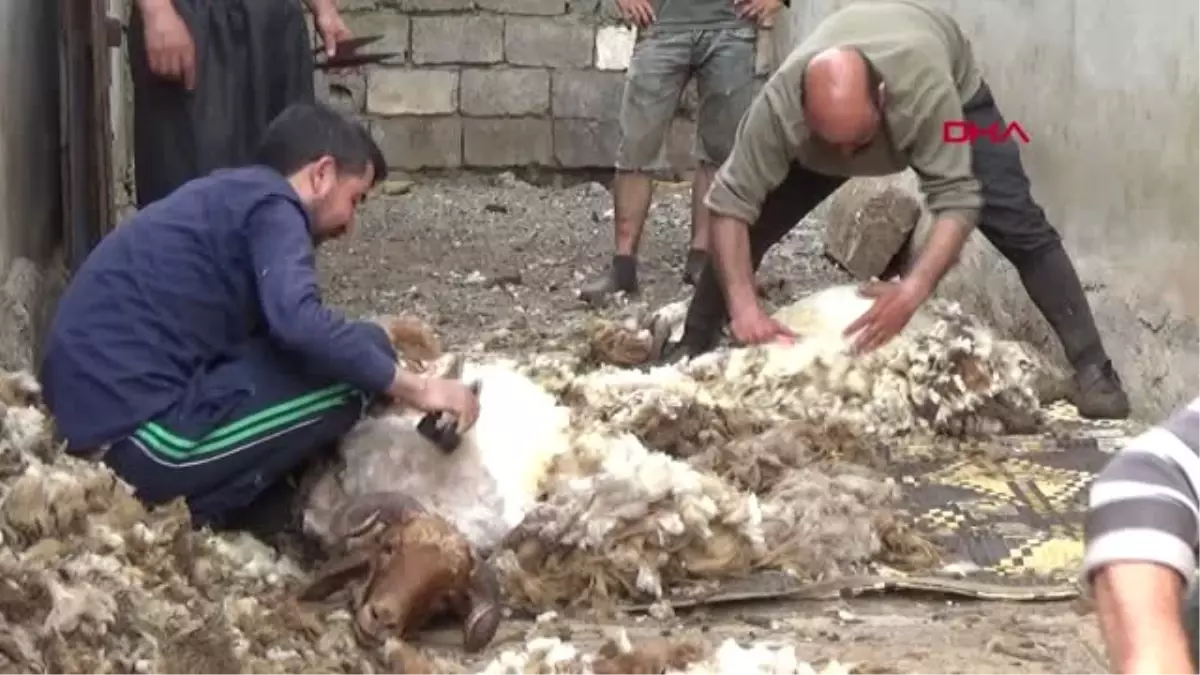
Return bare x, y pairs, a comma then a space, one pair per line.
839, 102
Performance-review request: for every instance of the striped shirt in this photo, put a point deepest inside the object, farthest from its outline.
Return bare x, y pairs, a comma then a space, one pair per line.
1143, 505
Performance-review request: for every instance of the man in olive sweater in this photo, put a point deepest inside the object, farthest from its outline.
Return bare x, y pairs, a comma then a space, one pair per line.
868, 92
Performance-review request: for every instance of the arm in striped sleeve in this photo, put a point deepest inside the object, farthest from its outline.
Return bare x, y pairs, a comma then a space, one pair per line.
1143, 505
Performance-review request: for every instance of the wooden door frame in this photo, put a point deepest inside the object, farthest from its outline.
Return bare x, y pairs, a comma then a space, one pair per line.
86, 38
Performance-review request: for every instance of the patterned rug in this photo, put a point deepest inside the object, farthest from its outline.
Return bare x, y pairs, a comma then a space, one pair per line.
1009, 519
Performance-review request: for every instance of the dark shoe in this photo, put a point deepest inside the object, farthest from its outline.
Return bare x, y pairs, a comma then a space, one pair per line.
621, 278
1099, 393
272, 513
697, 260
676, 352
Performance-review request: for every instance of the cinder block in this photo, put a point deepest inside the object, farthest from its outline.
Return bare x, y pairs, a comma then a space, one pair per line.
869, 219
589, 94
457, 39
391, 24
396, 91
534, 7
503, 142
419, 6
550, 43
347, 92
414, 143
349, 6
614, 47
586, 144
493, 92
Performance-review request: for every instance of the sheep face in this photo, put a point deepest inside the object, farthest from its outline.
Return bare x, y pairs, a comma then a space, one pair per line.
413, 566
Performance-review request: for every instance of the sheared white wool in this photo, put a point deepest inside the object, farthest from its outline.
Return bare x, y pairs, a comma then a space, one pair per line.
485, 486
675, 657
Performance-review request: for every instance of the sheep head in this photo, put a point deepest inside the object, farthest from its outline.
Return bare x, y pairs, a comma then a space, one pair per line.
412, 566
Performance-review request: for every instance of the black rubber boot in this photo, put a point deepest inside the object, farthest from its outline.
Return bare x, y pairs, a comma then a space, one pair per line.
1099, 392
1053, 285
621, 277
706, 317
697, 260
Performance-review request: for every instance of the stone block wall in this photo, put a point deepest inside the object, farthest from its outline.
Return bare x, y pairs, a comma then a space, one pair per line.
488, 84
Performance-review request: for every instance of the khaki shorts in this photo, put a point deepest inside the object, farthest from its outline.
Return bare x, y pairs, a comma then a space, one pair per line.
721, 60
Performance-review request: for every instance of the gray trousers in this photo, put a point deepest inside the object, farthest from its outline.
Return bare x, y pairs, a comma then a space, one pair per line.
253, 59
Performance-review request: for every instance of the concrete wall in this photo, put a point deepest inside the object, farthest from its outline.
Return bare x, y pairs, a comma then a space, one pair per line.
1108, 91
29, 168
499, 83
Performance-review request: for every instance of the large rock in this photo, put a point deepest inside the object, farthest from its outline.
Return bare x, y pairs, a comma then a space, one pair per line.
880, 224
870, 219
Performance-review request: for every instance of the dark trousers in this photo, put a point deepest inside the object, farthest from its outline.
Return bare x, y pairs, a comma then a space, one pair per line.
1011, 220
253, 59
243, 426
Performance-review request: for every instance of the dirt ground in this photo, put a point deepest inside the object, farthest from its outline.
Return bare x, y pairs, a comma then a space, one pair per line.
496, 263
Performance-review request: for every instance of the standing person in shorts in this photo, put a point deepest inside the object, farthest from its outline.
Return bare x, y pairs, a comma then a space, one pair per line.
714, 42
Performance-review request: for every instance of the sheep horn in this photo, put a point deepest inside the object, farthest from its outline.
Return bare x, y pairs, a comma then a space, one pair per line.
365, 511
337, 575
483, 598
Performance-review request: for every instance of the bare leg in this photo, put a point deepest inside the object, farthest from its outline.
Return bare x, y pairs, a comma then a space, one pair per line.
701, 219
697, 256
632, 192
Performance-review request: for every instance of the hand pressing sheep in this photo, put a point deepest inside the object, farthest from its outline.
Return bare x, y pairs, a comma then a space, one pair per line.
417, 345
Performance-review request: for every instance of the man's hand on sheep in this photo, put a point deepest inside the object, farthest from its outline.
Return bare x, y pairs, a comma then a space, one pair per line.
437, 394
895, 304
752, 326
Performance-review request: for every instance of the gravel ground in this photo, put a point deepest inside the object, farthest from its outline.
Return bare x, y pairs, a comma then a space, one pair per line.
496, 262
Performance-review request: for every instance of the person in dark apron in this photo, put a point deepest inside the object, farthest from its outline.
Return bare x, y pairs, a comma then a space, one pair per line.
209, 75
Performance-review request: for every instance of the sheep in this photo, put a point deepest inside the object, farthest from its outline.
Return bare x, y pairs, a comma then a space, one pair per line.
486, 485
473, 495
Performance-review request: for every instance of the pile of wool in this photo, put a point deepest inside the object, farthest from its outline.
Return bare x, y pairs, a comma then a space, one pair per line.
756, 458
945, 373
92, 582
621, 521
685, 655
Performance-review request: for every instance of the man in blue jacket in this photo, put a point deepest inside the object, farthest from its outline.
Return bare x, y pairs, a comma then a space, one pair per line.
192, 352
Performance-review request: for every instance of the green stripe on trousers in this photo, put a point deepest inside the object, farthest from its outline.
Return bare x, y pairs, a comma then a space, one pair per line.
262, 423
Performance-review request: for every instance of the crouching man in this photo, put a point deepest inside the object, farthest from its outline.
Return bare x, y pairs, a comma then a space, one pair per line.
192, 353
868, 92
1141, 548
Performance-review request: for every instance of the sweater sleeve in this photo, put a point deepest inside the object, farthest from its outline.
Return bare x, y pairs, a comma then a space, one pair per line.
282, 253
1144, 505
947, 179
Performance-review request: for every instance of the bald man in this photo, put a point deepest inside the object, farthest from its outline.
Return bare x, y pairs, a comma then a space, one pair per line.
868, 93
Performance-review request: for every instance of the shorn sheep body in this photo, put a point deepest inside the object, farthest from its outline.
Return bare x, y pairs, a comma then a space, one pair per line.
485, 486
